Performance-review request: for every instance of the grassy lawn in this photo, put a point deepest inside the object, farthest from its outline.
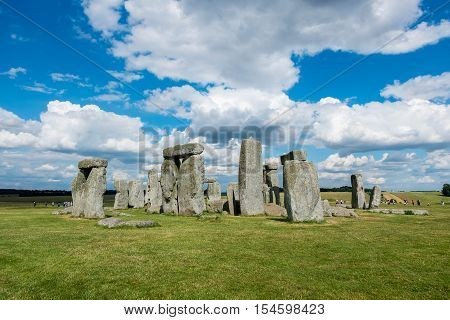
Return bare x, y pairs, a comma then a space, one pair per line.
43, 256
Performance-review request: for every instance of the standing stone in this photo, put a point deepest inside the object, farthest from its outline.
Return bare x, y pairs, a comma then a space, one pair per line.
251, 178
121, 199
233, 198
136, 194
266, 193
358, 196
301, 191
190, 186
169, 175
153, 196
375, 197
88, 188
272, 182
213, 191
326, 208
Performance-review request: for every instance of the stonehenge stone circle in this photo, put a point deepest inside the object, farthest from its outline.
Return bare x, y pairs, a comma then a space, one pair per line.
169, 175
136, 194
153, 196
183, 150
301, 191
88, 188
121, 199
190, 186
358, 196
251, 178
375, 197
233, 198
272, 182
213, 191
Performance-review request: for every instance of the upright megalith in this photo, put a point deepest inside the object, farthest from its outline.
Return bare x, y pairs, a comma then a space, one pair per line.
136, 194
233, 199
375, 197
121, 199
190, 186
88, 188
301, 191
153, 196
251, 178
358, 196
271, 180
213, 191
169, 176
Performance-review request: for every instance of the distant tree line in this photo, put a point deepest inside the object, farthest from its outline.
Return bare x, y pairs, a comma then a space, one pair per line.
446, 190
40, 193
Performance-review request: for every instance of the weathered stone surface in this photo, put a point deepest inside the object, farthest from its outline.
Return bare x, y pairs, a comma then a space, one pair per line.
169, 174
271, 166
67, 210
136, 194
88, 188
233, 198
183, 150
153, 196
251, 178
300, 155
213, 191
401, 211
326, 208
266, 193
121, 199
271, 209
215, 206
375, 197
209, 180
272, 182
358, 196
301, 191
342, 212
92, 163
190, 186
116, 222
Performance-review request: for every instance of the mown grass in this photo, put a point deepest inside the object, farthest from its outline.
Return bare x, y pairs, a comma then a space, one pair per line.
43, 256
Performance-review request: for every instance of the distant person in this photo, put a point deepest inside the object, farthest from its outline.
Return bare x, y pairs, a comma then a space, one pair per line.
34, 204
337, 201
342, 201
443, 203
418, 202
412, 201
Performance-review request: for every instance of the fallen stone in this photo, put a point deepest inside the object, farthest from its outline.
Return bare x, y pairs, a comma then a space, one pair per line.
401, 211
110, 222
116, 222
67, 210
190, 186
271, 209
358, 195
301, 191
183, 150
251, 178
375, 197
342, 212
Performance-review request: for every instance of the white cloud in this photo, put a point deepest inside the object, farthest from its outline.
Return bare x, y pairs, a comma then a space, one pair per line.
111, 97
422, 87
12, 73
67, 77
47, 167
425, 179
80, 34
249, 44
373, 180
126, 76
439, 159
17, 37
41, 87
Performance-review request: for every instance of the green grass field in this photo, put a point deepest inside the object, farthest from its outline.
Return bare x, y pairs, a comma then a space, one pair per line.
44, 256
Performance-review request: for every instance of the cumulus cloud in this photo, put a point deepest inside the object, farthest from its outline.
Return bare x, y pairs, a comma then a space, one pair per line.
426, 87
12, 73
126, 76
379, 180
249, 44
425, 179
42, 88
66, 77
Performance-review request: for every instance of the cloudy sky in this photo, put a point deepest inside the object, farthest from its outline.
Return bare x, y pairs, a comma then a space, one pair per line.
362, 85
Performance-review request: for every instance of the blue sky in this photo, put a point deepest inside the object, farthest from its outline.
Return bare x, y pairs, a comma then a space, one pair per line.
168, 66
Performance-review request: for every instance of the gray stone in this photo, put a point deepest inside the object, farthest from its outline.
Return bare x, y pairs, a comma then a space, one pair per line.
213, 191
136, 194
272, 182
92, 163
233, 198
110, 222
169, 175
300, 155
271, 166
326, 208
190, 186
358, 196
266, 193
153, 196
342, 212
251, 178
66, 210
209, 180
121, 199
183, 150
88, 188
375, 197
271, 209
116, 222
301, 191
215, 206
401, 211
